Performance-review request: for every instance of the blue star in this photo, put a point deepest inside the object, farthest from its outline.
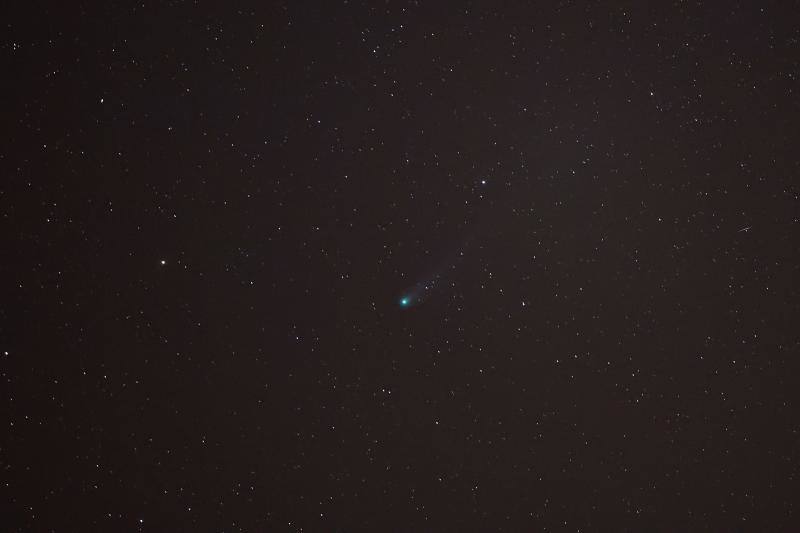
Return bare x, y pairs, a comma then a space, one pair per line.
405, 301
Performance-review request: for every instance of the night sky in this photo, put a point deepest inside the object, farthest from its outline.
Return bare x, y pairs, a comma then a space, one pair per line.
400, 266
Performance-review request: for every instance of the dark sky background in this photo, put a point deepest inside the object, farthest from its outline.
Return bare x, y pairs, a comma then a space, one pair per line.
210, 212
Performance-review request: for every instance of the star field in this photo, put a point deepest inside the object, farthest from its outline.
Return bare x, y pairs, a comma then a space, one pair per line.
400, 266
